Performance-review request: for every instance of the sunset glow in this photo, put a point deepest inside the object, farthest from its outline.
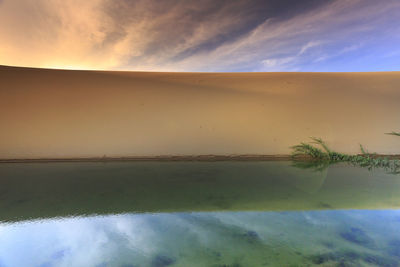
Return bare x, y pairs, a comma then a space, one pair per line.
223, 36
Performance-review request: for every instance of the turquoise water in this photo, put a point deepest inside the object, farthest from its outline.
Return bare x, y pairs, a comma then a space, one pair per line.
197, 214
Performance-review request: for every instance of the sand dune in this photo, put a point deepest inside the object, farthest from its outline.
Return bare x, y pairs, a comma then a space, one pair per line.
64, 113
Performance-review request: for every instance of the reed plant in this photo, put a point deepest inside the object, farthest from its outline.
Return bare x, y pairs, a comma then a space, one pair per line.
319, 156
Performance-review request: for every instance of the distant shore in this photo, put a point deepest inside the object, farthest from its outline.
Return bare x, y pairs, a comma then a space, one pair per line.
169, 158
155, 158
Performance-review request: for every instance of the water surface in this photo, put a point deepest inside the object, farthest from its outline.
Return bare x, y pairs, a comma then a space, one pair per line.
267, 213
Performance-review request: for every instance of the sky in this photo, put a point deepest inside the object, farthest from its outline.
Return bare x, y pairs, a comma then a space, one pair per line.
203, 35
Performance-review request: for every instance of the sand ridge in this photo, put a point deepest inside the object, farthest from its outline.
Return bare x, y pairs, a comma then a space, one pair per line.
84, 114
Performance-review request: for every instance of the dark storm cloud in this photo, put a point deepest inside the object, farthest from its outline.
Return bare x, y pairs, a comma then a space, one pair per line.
194, 35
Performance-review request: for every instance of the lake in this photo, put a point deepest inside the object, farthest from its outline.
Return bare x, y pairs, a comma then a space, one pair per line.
224, 213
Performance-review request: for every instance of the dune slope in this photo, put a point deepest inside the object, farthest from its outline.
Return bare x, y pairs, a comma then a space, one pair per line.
64, 113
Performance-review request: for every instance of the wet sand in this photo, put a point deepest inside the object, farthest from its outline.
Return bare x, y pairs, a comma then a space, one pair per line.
206, 158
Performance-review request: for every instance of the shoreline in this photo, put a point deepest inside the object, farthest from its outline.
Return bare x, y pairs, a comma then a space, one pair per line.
244, 157
155, 158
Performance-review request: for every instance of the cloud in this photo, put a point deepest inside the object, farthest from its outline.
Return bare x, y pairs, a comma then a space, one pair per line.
277, 62
206, 35
308, 46
53, 33
339, 52
338, 26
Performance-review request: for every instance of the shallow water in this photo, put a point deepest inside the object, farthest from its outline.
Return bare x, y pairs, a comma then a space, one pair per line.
197, 214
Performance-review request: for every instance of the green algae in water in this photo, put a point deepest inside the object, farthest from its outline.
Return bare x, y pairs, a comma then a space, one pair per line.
37, 191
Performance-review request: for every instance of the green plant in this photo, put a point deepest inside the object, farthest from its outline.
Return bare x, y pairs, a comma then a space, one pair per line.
394, 133
322, 156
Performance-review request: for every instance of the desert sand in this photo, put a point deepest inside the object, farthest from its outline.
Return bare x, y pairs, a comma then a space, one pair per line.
72, 114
